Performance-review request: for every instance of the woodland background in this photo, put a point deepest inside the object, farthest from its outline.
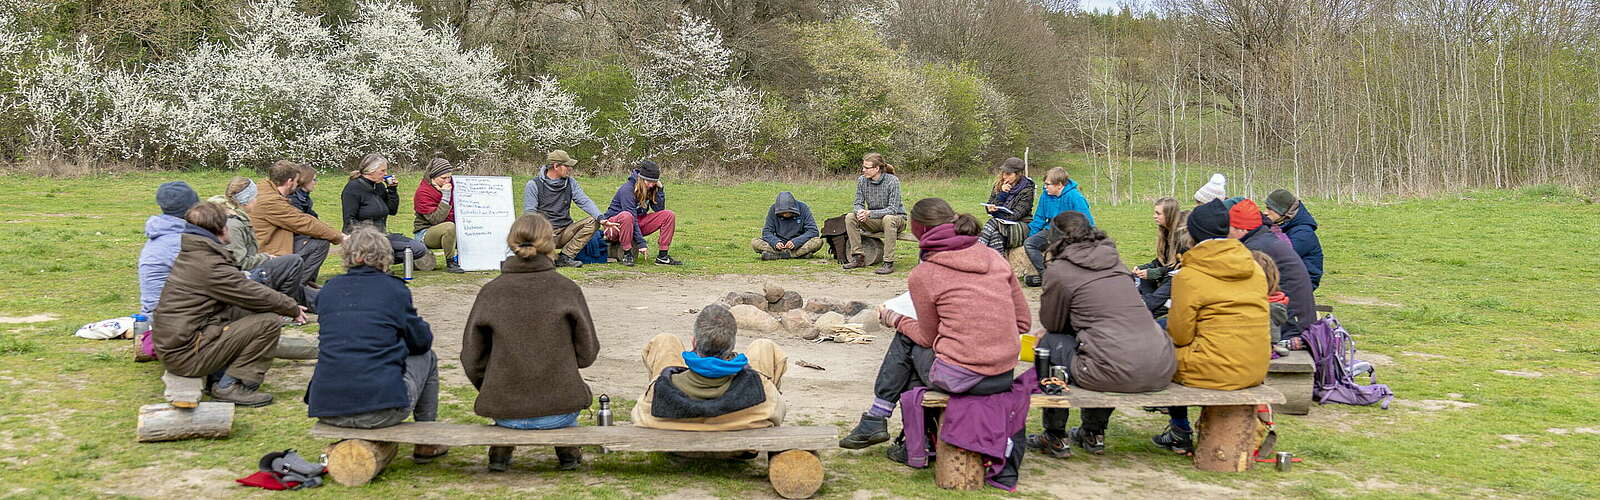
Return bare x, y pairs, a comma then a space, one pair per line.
1333, 98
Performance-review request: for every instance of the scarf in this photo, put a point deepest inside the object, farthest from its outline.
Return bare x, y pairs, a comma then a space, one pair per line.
714, 367
941, 238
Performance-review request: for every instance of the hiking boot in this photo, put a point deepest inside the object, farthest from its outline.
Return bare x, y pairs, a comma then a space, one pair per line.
1092, 443
240, 395
856, 261
897, 452
1033, 280
500, 458
562, 260
1176, 440
568, 457
667, 260
425, 453
774, 255
628, 257
870, 431
886, 268
1052, 446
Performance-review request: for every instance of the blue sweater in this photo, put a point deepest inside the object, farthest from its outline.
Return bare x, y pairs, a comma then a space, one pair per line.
624, 201
1051, 206
369, 327
799, 228
1302, 232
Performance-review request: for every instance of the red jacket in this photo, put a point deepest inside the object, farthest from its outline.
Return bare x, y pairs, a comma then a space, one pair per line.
431, 207
970, 309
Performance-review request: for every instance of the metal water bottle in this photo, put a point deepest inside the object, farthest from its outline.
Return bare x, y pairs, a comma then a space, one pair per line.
408, 265
1041, 362
603, 417
1285, 461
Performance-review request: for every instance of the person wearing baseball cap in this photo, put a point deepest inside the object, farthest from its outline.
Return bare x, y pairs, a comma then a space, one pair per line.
640, 208
552, 193
1290, 214
1245, 224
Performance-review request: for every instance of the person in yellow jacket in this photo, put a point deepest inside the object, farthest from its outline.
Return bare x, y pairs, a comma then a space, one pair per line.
1219, 321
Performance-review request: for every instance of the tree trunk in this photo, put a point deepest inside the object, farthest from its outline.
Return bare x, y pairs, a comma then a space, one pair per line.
354, 462
1227, 438
164, 422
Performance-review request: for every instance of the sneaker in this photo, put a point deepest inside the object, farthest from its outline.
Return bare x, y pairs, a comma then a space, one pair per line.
886, 268
773, 256
667, 260
870, 431
1177, 441
240, 395
425, 453
628, 257
1033, 280
568, 457
1044, 443
562, 260
500, 458
897, 452
856, 261
1092, 443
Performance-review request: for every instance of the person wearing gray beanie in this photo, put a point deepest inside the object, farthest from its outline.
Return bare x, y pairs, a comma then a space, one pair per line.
176, 198
162, 241
1289, 213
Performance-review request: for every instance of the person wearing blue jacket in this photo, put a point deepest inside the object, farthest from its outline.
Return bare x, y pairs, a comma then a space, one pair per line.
375, 361
790, 232
640, 208
1061, 194
163, 241
1291, 215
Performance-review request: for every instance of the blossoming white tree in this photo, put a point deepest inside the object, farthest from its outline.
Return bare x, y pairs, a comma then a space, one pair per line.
688, 99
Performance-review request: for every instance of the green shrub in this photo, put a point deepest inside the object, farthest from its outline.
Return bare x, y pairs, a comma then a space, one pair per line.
603, 86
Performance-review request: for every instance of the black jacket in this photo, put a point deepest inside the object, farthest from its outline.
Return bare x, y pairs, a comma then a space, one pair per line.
1292, 278
368, 327
369, 202
800, 228
1019, 200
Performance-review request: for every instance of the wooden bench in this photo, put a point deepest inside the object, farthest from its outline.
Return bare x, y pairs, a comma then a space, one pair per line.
792, 463
1228, 418
1293, 375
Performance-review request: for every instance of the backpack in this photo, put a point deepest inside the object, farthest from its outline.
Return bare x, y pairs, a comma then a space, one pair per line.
595, 251
1333, 354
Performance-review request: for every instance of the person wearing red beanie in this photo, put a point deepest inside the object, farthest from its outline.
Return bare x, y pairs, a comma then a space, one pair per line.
1243, 217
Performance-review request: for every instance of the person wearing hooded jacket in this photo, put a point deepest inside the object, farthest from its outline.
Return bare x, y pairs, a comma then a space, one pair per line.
1291, 215
552, 193
1245, 224
1060, 194
970, 314
212, 318
1098, 327
1219, 319
790, 233
162, 241
640, 208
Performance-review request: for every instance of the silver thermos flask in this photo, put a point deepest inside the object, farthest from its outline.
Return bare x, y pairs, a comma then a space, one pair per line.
603, 417
408, 265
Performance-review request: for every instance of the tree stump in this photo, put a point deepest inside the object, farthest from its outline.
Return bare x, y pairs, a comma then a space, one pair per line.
1227, 438
354, 462
164, 422
295, 348
794, 473
956, 468
1021, 265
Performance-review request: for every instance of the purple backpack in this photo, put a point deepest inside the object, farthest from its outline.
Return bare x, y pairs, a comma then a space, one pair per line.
1333, 354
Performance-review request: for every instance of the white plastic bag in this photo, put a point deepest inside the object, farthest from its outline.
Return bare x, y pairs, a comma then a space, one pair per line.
107, 329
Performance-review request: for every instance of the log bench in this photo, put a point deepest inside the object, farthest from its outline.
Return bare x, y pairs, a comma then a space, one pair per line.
792, 463
1228, 418
1293, 375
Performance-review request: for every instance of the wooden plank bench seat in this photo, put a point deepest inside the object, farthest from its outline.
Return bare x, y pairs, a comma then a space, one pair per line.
793, 465
1227, 416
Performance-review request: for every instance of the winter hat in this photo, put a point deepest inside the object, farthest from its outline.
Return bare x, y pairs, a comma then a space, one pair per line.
439, 166
176, 198
1208, 221
1215, 189
1281, 201
559, 156
648, 170
1244, 215
1012, 165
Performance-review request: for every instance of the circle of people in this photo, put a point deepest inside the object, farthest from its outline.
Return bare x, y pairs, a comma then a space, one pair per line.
220, 278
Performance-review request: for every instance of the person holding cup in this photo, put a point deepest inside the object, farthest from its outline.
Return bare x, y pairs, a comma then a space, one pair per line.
370, 198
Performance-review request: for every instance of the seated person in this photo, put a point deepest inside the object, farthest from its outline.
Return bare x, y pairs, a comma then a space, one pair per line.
790, 233
1247, 224
1010, 210
370, 198
1218, 321
877, 209
970, 312
527, 335
162, 231
1290, 213
211, 318
711, 388
1153, 274
375, 361
1060, 195
552, 193
638, 209
276, 221
1277, 302
280, 272
1098, 328
435, 222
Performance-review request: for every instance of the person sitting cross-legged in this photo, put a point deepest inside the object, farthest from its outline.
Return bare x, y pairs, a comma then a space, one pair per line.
711, 388
375, 360
790, 233
212, 318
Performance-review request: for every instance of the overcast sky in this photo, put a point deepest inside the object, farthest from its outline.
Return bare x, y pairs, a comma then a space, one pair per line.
1103, 5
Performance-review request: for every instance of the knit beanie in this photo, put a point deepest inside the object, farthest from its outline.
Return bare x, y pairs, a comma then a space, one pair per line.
176, 198
1215, 189
648, 170
438, 167
1281, 201
1208, 221
1244, 215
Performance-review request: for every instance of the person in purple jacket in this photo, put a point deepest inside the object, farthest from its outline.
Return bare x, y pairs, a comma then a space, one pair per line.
640, 208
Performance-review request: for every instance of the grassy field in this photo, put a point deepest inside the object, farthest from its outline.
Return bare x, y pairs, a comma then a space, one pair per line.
1479, 308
